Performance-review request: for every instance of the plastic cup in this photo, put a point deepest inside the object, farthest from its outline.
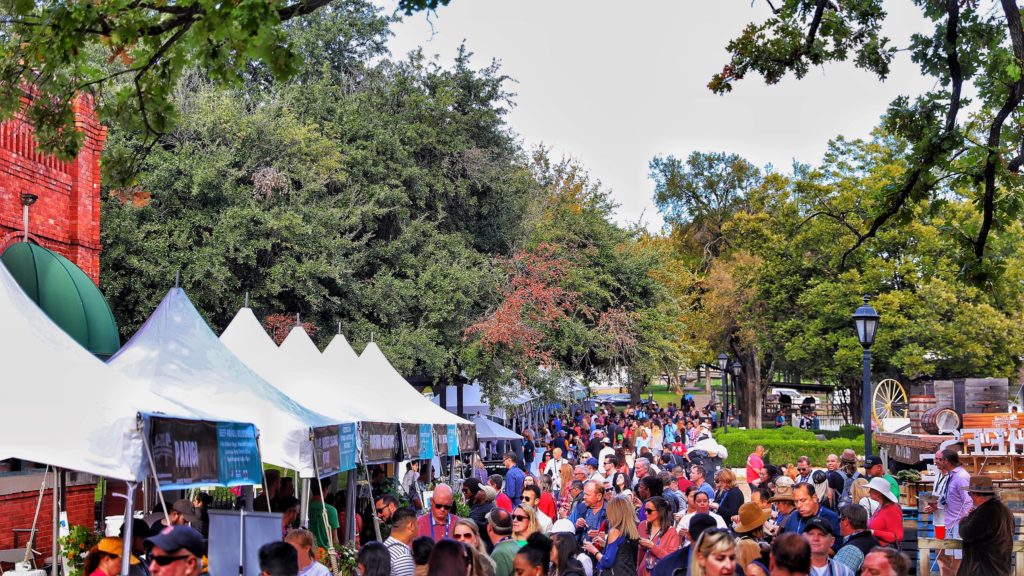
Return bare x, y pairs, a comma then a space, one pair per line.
940, 531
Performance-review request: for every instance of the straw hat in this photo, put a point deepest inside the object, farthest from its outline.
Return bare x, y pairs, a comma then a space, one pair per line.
882, 486
783, 494
784, 481
751, 517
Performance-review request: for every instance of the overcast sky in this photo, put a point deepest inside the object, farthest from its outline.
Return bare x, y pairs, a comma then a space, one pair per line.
613, 84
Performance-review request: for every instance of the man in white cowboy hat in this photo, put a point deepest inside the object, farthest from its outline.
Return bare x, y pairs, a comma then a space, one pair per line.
987, 532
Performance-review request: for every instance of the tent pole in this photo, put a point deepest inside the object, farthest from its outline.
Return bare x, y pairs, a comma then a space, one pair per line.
56, 521
129, 507
376, 519
350, 507
304, 498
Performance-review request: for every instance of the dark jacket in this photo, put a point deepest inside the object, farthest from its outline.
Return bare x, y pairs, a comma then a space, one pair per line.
863, 541
729, 502
625, 560
478, 513
678, 560
987, 533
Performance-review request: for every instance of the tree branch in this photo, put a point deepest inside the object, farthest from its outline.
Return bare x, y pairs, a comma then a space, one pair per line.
1013, 99
812, 31
931, 154
301, 8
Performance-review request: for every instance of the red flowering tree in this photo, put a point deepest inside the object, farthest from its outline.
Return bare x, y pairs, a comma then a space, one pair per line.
279, 325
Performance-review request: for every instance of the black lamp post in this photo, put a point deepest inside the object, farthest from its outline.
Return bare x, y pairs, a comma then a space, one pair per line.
737, 369
865, 319
723, 369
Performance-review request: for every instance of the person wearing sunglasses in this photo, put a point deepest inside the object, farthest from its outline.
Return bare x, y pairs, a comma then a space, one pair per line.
466, 531
385, 505
524, 522
658, 537
177, 551
438, 521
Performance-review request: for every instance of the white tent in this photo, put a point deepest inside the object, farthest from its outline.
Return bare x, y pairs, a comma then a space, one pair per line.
373, 371
474, 403
489, 430
339, 352
63, 406
297, 370
175, 355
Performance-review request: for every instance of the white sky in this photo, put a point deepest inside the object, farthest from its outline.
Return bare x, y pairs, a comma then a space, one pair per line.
614, 84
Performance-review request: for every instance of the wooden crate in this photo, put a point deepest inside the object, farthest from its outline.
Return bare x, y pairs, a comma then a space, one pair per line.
980, 395
943, 393
918, 405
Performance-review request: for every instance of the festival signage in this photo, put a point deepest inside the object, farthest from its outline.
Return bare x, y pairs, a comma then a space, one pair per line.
452, 434
426, 441
379, 442
347, 446
440, 440
467, 437
190, 453
410, 441
326, 450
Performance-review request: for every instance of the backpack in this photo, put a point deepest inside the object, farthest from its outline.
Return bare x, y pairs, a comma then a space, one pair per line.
847, 496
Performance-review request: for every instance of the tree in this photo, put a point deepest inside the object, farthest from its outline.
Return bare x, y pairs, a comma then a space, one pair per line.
371, 193
582, 296
972, 48
134, 53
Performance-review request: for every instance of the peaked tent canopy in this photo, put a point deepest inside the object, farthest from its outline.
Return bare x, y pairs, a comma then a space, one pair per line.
65, 294
175, 355
489, 430
64, 406
373, 371
339, 352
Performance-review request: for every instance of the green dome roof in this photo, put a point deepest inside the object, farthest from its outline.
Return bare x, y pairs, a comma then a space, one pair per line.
66, 294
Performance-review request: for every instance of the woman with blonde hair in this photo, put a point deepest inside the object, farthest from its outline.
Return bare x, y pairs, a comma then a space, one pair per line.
620, 551
302, 540
714, 553
861, 495
524, 522
467, 532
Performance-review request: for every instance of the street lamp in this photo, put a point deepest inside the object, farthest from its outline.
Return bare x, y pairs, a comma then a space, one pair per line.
723, 369
865, 319
737, 369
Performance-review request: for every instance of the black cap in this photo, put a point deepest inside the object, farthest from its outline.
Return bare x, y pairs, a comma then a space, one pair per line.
139, 529
872, 461
819, 524
700, 522
174, 538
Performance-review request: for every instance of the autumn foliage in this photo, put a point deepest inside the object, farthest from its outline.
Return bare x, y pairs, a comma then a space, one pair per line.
279, 325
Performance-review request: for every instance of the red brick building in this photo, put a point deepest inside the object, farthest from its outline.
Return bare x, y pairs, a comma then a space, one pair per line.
65, 219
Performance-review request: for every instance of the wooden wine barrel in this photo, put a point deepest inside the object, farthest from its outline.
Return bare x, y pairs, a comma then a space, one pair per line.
937, 419
918, 404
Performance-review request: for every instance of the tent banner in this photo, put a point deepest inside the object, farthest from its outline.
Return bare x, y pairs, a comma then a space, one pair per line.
452, 434
410, 441
440, 440
467, 437
327, 450
191, 453
426, 441
379, 442
348, 438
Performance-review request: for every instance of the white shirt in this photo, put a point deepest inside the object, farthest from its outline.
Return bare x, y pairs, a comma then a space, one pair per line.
552, 469
604, 453
684, 523
544, 520
401, 557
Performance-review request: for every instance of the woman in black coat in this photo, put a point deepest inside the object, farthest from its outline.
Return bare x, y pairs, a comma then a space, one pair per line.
728, 496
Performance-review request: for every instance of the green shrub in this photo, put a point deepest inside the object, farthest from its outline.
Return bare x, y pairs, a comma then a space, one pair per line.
784, 445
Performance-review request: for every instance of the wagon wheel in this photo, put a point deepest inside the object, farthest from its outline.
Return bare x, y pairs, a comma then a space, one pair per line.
889, 400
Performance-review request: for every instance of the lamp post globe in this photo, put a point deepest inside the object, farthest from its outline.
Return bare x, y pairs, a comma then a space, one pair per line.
865, 320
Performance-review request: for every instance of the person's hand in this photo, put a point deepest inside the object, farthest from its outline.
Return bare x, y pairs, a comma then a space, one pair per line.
581, 523
590, 548
713, 505
646, 543
929, 508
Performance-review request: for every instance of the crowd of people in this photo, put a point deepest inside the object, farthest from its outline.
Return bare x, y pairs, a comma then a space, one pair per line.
641, 492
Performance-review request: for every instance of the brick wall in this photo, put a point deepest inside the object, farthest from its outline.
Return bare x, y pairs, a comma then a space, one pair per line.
66, 218
16, 511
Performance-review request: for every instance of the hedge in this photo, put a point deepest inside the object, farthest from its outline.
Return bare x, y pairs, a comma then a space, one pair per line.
784, 445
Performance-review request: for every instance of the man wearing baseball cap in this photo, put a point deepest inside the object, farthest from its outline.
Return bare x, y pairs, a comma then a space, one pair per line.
874, 468
182, 512
819, 534
177, 551
987, 532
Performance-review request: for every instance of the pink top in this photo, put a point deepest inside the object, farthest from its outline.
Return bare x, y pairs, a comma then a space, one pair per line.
664, 544
754, 465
